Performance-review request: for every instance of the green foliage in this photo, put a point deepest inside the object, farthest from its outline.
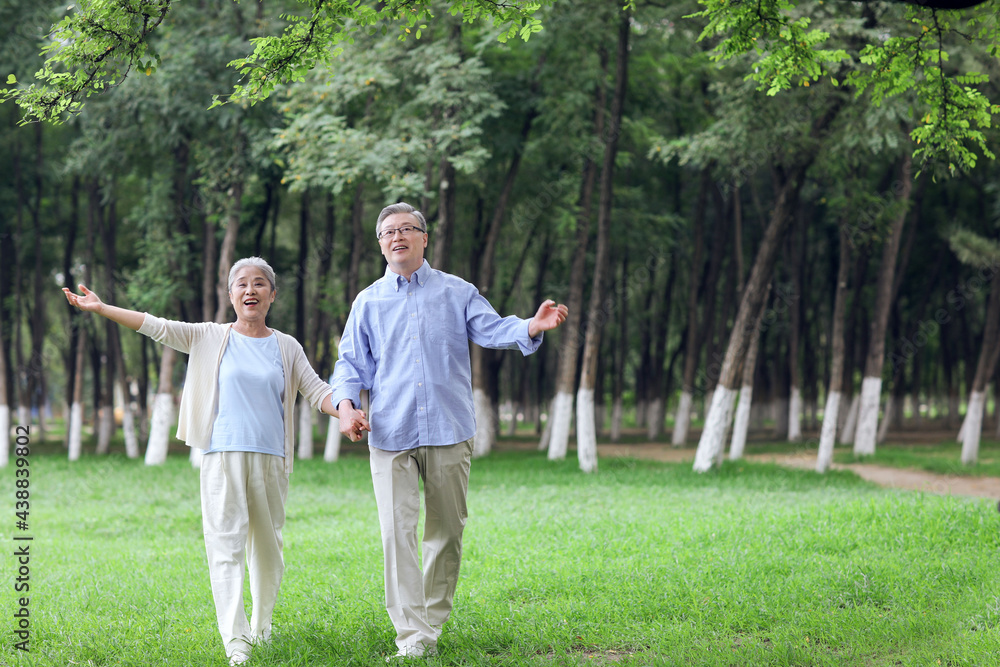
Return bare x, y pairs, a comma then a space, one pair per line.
905, 54
389, 111
973, 249
100, 42
90, 50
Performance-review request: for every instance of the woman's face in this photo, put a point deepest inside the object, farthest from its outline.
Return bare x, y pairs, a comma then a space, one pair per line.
251, 294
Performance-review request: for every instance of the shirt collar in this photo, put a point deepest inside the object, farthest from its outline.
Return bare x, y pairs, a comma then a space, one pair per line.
420, 275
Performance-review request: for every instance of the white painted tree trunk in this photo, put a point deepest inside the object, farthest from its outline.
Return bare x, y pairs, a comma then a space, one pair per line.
305, 430
851, 421
973, 427
617, 410
512, 428
331, 451
128, 422
795, 416
655, 416
560, 420
546, 437
105, 428
864, 439
682, 420
159, 431
586, 434
828, 434
887, 416
24, 415
742, 425
4, 435
483, 444
965, 420
75, 431
716, 423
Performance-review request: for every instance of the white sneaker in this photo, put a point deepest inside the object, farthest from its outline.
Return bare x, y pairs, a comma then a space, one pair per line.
415, 652
238, 658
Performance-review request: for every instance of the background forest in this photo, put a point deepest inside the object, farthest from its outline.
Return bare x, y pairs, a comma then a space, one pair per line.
609, 163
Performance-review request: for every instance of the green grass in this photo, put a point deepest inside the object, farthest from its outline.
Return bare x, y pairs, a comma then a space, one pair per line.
639, 564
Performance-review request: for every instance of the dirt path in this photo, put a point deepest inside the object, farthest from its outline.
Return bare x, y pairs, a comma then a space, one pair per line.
895, 478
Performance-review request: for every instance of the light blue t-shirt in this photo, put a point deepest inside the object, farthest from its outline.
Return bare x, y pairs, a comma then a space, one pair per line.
251, 389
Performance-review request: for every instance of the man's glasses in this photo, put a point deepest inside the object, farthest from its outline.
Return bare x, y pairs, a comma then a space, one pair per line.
405, 231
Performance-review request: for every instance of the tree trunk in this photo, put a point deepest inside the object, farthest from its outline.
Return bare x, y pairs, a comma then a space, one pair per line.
617, 394
798, 242
973, 426
75, 427
227, 251
833, 395
682, 418
486, 363
301, 298
331, 450
754, 298
871, 386
357, 245
446, 214
586, 435
163, 411
4, 406
661, 331
561, 415
742, 422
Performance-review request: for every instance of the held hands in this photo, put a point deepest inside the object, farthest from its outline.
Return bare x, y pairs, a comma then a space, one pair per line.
89, 302
352, 421
548, 317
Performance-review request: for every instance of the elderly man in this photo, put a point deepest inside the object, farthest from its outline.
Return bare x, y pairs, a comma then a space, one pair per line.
407, 343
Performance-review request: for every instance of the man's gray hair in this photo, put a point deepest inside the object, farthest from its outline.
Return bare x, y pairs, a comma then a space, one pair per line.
252, 261
401, 207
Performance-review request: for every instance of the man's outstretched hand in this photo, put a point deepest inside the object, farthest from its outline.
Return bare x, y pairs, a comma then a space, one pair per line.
549, 316
352, 421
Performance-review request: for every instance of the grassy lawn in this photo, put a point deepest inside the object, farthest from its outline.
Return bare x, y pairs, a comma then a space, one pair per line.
640, 564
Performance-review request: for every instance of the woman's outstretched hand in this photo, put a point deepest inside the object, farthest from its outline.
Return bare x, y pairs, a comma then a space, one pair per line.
88, 301
91, 303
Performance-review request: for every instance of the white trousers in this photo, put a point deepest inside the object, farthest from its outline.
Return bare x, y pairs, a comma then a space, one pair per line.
243, 511
419, 601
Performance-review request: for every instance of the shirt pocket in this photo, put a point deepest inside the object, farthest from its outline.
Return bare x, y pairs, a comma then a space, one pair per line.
443, 322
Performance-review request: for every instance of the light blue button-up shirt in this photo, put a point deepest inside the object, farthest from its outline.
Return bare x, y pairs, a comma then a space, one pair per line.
408, 344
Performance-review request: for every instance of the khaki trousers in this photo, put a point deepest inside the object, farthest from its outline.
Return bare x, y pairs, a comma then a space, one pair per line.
243, 511
419, 602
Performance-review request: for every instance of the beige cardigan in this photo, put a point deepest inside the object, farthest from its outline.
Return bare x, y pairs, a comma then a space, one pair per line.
205, 342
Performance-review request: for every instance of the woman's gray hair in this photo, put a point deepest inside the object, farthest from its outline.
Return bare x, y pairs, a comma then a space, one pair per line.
252, 261
401, 207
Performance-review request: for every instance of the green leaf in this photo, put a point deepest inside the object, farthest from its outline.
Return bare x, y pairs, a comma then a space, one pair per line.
11, 79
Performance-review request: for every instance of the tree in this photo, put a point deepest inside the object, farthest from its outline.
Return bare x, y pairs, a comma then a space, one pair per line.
102, 44
871, 385
984, 255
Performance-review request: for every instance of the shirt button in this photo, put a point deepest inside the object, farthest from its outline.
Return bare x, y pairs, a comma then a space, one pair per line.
420, 384
421, 408
414, 338
413, 314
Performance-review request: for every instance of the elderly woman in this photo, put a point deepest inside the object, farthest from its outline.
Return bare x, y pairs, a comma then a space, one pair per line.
237, 405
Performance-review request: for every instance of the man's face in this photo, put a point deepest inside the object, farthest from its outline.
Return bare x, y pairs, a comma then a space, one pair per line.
403, 252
